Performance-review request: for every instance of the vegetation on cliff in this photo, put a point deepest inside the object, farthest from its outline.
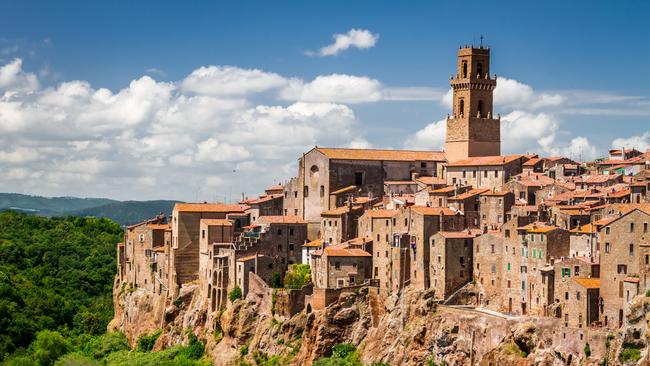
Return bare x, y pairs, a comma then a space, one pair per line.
55, 274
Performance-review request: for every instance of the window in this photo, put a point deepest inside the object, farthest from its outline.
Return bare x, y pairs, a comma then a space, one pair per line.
464, 69
295, 194
631, 250
280, 247
566, 296
290, 231
479, 70
291, 247
480, 108
509, 284
202, 234
621, 269
647, 259
423, 164
496, 174
645, 227
541, 238
566, 272
607, 230
473, 173
358, 178
485, 174
576, 271
453, 180
493, 268
492, 248
337, 265
279, 231
461, 108
507, 233
577, 295
508, 268
462, 261
306, 191
534, 253
606, 247
322, 191
631, 227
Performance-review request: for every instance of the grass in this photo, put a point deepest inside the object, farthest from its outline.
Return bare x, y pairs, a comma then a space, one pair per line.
630, 353
513, 349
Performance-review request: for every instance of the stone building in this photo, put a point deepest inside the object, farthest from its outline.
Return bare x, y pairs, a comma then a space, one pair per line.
340, 224
141, 254
184, 254
488, 254
577, 292
490, 172
322, 171
469, 204
494, 207
451, 262
621, 241
380, 226
472, 130
339, 266
268, 205
214, 277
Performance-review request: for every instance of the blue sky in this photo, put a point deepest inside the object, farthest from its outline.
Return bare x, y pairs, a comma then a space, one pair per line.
589, 58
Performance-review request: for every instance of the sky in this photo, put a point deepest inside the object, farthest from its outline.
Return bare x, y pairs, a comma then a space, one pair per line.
208, 100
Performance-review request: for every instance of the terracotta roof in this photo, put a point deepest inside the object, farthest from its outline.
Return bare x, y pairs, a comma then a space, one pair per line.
538, 227
585, 229
289, 219
209, 207
339, 211
248, 258
343, 190
469, 194
359, 241
431, 180
382, 213
588, 282
465, 234
486, 161
495, 193
447, 189
343, 250
160, 249
619, 194
216, 222
596, 179
159, 226
399, 182
277, 187
632, 279
263, 199
532, 162
431, 211
314, 243
378, 154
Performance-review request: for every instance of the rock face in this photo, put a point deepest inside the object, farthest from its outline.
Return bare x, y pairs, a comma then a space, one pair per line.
410, 329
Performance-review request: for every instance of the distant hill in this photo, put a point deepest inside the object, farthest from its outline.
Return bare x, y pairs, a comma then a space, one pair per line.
128, 212
122, 212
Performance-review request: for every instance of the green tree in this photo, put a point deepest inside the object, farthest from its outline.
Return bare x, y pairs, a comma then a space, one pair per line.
235, 294
298, 276
49, 346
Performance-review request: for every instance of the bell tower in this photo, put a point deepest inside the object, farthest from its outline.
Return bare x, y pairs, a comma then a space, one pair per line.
471, 129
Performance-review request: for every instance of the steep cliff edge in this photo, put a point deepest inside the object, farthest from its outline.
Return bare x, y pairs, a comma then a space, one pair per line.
411, 329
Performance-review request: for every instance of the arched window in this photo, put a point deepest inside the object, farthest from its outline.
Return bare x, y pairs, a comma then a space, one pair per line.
461, 107
480, 108
479, 69
314, 169
464, 69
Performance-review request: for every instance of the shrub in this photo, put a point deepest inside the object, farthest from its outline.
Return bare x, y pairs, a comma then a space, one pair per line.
243, 351
298, 276
194, 349
178, 302
75, 359
100, 347
587, 349
342, 354
647, 293
276, 281
146, 342
342, 350
630, 353
49, 346
235, 294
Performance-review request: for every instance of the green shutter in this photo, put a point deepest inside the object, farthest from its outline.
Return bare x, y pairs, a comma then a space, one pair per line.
508, 266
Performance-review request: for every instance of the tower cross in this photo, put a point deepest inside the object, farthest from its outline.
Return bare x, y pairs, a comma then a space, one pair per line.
481, 41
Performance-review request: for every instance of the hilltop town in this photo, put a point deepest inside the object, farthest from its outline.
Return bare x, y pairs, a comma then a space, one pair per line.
543, 252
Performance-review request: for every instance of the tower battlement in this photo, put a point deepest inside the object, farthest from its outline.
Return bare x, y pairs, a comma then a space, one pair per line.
473, 130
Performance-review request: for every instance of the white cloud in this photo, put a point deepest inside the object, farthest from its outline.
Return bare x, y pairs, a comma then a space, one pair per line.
359, 38
431, 137
203, 134
13, 78
229, 80
579, 149
416, 93
639, 142
336, 88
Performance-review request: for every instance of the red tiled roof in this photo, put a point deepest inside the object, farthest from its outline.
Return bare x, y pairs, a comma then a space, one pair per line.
248, 258
431, 211
486, 161
209, 207
465, 234
469, 194
538, 227
216, 222
588, 282
343, 250
431, 180
289, 219
339, 211
382, 213
399, 182
379, 154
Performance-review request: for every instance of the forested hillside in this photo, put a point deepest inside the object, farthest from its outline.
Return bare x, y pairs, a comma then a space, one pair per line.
122, 212
56, 282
